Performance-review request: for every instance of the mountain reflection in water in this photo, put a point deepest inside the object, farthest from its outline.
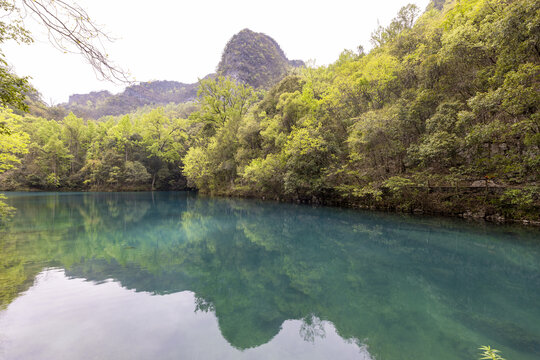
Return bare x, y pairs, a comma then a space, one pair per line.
79, 273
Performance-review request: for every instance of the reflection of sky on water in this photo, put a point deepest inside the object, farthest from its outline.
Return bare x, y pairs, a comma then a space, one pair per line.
66, 318
277, 280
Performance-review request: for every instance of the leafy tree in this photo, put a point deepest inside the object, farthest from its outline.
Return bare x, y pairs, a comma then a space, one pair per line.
197, 167
163, 139
136, 173
13, 140
403, 21
74, 136
220, 99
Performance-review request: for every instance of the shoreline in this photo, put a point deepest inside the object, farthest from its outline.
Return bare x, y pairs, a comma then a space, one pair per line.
478, 215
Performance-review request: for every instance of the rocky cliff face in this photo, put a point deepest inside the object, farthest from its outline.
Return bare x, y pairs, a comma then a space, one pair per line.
249, 57
438, 4
256, 59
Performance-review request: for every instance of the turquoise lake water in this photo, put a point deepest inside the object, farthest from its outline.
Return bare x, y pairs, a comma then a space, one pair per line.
182, 276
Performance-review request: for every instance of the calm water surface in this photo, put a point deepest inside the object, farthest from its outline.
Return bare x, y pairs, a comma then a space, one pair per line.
179, 276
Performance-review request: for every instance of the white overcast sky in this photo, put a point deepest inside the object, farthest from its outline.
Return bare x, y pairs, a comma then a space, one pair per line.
183, 40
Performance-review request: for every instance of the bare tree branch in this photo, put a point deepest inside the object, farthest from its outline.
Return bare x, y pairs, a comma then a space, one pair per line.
71, 30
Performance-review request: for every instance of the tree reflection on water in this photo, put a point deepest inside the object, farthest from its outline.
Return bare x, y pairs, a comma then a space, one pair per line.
407, 287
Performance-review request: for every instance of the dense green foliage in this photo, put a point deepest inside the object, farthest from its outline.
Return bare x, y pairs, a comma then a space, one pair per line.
255, 59
142, 150
13, 145
442, 115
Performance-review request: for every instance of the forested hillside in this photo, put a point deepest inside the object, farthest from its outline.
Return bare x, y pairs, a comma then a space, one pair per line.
441, 116
102, 103
139, 151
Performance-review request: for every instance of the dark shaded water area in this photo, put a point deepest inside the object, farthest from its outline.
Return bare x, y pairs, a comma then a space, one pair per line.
177, 275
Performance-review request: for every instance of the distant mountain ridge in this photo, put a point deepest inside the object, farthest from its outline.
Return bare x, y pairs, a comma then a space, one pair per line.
101, 103
249, 57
